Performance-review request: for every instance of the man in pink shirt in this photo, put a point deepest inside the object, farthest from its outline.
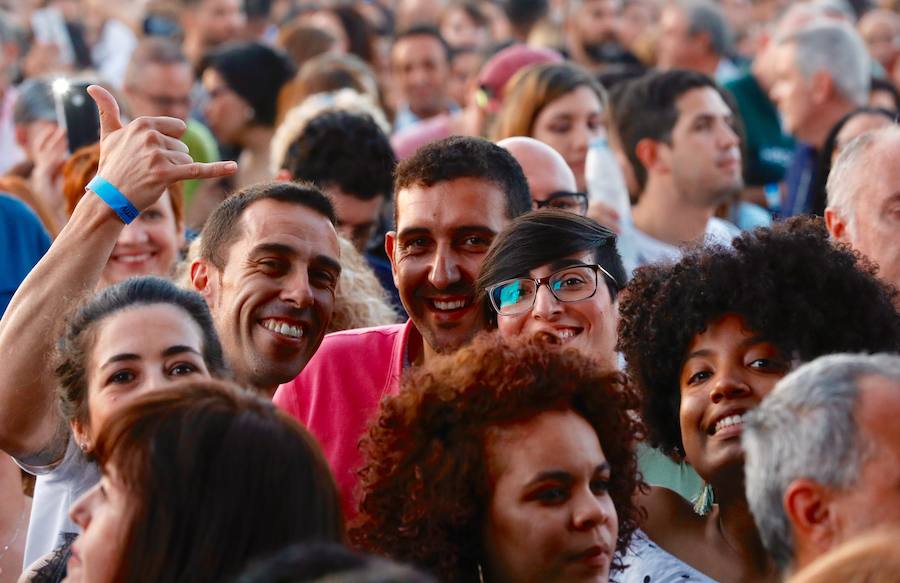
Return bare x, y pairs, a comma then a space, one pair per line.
452, 198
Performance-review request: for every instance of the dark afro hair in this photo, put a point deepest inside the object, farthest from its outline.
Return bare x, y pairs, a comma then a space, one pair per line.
790, 284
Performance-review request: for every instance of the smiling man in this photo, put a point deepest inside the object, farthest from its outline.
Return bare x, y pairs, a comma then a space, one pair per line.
452, 198
268, 267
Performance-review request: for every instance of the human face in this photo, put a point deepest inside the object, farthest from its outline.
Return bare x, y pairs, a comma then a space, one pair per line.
704, 156
148, 246
459, 30
874, 500
598, 21
220, 21
443, 233
727, 372
162, 90
136, 350
569, 124
227, 113
677, 48
103, 513
356, 218
876, 211
791, 92
273, 299
588, 325
421, 71
550, 517
463, 70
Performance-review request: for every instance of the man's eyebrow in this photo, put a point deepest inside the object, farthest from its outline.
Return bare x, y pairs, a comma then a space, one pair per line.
278, 248
474, 229
413, 232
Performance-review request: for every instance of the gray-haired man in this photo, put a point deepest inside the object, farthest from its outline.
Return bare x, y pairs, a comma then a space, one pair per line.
823, 456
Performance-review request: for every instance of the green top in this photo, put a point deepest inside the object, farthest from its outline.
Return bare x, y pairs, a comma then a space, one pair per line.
203, 148
768, 149
660, 470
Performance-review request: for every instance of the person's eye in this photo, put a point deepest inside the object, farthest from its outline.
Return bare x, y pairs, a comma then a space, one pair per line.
151, 215
560, 128
121, 377
476, 242
601, 485
273, 266
551, 495
323, 278
182, 369
699, 377
415, 245
768, 364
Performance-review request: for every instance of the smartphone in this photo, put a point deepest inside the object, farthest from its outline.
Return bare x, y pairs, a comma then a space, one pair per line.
77, 113
49, 27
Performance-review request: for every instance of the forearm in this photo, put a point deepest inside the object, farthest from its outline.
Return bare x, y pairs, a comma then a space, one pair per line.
35, 319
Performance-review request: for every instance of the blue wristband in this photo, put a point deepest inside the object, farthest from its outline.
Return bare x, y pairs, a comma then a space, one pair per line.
114, 198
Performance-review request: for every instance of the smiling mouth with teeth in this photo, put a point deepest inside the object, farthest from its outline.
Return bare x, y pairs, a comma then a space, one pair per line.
450, 305
729, 421
283, 328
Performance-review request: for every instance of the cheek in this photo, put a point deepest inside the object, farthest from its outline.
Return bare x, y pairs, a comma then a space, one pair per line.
511, 326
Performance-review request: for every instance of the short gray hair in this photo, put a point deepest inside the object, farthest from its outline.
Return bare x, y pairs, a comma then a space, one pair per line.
705, 16
844, 180
836, 48
806, 428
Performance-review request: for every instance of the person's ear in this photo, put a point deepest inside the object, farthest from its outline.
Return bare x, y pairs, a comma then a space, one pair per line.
203, 279
821, 87
836, 225
808, 506
390, 244
81, 433
283, 175
648, 152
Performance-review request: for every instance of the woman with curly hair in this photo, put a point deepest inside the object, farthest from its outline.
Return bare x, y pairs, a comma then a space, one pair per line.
503, 462
706, 339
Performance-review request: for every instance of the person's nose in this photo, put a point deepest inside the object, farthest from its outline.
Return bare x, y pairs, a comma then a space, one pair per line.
590, 510
728, 384
546, 306
444, 268
80, 512
297, 290
133, 234
728, 137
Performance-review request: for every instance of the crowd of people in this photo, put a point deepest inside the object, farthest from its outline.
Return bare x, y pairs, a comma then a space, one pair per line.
272, 291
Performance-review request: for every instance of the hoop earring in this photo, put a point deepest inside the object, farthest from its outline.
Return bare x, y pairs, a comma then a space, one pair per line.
480, 574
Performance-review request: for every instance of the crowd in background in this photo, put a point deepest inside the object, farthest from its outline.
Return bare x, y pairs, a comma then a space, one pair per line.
272, 287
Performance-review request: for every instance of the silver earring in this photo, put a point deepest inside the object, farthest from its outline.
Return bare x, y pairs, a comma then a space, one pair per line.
480, 574
83, 447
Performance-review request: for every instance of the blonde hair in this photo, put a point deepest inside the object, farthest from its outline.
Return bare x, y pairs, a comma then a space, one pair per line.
869, 558
359, 301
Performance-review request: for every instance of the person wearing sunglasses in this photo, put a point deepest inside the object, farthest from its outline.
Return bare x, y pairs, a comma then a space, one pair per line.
555, 275
550, 180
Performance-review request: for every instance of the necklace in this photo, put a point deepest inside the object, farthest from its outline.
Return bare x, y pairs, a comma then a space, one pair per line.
15, 536
725, 538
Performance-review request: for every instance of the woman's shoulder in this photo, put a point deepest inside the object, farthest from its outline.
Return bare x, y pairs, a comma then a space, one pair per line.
647, 562
666, 511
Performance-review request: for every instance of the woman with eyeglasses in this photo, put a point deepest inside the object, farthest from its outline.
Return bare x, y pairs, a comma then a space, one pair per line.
555, 275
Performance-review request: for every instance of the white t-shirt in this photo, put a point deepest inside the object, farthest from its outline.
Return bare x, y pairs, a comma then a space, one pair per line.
58, 487
638, 248
647, 563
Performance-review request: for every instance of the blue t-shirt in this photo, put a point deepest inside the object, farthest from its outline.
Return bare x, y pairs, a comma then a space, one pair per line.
24, 242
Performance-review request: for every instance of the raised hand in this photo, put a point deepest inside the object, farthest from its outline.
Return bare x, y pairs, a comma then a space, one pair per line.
144, 157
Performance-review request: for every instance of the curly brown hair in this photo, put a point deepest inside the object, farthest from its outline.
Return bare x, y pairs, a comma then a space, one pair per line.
426, 484
790, 283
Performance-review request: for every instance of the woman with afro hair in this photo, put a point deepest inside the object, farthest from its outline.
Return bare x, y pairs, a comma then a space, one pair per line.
506, 461
705, 340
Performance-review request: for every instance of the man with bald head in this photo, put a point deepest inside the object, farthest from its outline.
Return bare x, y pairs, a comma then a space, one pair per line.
864, 202
550, 180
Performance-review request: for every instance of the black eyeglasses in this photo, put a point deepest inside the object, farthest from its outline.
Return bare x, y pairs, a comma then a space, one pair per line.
571, 284
574, 202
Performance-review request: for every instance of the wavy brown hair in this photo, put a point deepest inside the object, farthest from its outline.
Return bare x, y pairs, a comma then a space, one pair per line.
426, 485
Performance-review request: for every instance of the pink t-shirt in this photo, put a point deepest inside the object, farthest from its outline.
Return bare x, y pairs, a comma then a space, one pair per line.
339, 391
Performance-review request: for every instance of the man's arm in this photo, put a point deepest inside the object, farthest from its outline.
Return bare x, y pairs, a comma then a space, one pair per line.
141, 160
